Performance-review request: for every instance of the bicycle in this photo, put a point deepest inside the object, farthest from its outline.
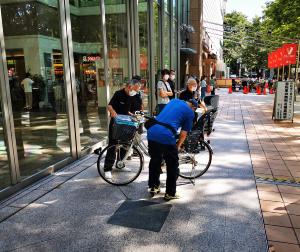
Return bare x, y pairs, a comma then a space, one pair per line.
128, 159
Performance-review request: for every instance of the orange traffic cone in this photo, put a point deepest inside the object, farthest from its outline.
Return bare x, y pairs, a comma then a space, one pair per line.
265, 91
258, 91
230, 90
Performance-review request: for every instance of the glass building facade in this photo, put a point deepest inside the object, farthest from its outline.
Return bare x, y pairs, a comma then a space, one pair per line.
61, 61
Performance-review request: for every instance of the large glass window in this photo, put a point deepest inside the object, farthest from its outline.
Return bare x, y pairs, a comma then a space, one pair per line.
166, 41
5, 179
157, 39
117, 44
143, 41
89, 72
37, 87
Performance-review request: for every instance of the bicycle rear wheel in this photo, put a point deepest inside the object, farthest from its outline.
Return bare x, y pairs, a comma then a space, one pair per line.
124, 167
194, 165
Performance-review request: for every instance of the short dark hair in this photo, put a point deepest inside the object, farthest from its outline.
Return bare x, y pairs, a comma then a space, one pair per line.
165, 71
27, 75
172, 71
137, 77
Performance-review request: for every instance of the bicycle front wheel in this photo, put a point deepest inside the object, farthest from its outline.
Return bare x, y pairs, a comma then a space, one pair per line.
194, 165
117, 166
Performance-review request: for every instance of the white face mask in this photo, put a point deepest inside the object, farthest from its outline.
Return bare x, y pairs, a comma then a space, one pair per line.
172, 77
194, 89
132, 93
166, 77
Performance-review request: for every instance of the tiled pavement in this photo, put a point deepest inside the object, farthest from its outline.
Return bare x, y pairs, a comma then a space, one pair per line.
69, 210
275, 156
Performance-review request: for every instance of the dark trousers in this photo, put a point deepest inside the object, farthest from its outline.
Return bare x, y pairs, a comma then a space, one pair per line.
213, 92
169, 153
111, 152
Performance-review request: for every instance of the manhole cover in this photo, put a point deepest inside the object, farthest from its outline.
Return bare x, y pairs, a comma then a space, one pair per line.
141, 214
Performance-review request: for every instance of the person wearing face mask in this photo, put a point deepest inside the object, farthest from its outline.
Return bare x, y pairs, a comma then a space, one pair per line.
190, 91
163, 90
137, 103
120, 104
172, 83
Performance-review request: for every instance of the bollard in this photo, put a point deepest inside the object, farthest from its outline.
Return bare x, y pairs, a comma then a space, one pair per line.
245, 90
230, 90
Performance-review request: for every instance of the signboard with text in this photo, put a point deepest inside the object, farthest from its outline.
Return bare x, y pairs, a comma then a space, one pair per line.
284, 101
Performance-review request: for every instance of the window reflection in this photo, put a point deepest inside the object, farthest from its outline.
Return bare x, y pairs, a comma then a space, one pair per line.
4, 168
35, 70
143, 42
89, 72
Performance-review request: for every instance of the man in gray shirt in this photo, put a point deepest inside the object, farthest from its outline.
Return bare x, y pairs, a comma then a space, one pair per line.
163, 90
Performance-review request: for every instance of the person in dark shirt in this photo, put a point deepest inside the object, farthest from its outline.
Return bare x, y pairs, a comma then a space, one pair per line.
172, 83
190, 93
120, 103
162, 143
137, 103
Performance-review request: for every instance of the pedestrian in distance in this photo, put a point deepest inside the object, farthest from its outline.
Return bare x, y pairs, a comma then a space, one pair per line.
163, 91
212, 83
27, 86
203, 86
172, 83
162, 143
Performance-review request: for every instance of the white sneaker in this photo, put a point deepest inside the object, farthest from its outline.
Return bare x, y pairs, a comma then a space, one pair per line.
108, 175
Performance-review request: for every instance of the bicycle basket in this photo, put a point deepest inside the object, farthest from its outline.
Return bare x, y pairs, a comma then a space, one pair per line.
123, 128
192, 140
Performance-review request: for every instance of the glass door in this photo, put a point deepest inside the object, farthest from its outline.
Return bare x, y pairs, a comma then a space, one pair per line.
33, 47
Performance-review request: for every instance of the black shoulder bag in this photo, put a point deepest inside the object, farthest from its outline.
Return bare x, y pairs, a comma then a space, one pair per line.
152, 121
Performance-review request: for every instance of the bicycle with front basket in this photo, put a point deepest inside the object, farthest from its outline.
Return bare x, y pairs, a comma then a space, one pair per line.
129, 150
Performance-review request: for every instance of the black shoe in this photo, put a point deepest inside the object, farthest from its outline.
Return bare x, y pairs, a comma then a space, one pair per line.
97, 151
154, 190
170, 197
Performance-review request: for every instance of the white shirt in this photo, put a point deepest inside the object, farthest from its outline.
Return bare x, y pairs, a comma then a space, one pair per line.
27, 83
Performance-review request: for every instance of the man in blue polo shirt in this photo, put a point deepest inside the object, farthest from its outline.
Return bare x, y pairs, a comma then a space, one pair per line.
162, 143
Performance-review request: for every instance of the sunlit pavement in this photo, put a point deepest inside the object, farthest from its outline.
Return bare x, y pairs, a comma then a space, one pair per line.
222, 212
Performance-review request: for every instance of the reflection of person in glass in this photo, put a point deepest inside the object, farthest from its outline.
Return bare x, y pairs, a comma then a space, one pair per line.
120, 103
27, 85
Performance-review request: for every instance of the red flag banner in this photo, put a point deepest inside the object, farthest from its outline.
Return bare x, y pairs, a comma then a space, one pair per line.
289, 53
269, 60
279, 53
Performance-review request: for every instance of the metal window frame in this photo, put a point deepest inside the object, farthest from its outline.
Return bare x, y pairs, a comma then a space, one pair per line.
105, 55
8, 119
69, 77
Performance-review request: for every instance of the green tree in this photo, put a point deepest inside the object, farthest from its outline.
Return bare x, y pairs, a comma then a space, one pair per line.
234, 36
282, 19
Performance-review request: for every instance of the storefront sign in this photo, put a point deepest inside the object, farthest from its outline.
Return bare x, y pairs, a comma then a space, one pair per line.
90, 58
284, 101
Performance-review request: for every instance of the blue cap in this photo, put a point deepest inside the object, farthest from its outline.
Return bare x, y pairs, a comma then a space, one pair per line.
194, 102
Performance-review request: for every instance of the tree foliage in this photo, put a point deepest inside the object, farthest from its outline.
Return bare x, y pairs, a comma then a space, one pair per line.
251, 41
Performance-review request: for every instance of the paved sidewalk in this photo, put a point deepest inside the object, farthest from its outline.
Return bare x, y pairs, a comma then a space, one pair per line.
69, 210
275, 157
